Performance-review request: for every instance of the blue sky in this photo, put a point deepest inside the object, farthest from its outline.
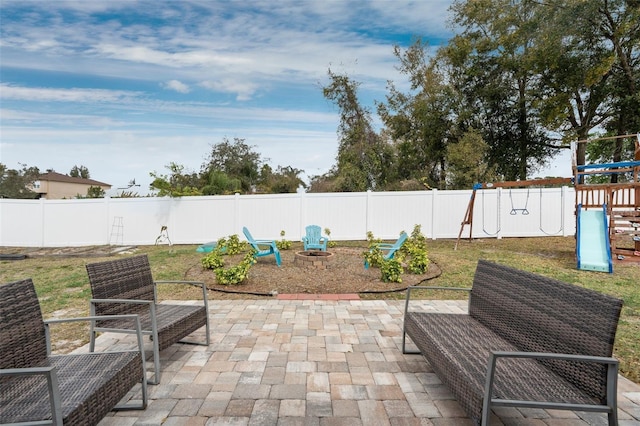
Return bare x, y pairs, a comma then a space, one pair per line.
126, 87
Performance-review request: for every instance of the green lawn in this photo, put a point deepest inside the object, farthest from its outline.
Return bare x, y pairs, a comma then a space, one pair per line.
63, 288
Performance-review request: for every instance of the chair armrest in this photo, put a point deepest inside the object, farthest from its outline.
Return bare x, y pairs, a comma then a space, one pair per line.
93, 319
193, 283
384, 246
551, 355
52, 385
612, 376
129, 301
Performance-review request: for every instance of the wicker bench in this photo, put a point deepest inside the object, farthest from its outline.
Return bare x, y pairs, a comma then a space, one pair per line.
528, 341
39, 388
126, 286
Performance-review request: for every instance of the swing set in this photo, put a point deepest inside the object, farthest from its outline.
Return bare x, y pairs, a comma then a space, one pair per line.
524, 211
620, 200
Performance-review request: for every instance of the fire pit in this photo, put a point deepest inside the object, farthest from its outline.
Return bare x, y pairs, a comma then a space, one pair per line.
312, 259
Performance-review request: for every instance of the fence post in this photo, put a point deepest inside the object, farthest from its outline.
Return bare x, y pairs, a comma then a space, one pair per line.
499, 213
566, 199
368, 212
236, 211
42, 222
303, 213
434, 197
107, 210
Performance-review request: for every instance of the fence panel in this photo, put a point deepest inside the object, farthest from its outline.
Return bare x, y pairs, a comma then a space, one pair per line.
349, 216
345, 214
394, 212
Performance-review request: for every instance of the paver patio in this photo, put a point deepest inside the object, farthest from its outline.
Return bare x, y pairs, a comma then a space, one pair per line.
317, 362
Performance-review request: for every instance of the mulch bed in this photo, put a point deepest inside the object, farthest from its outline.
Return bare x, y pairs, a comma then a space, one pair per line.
345, 275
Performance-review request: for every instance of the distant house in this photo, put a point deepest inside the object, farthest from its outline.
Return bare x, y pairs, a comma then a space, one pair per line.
54, 185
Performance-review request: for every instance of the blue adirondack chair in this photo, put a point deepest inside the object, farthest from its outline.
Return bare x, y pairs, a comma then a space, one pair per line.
314, 239
271, 248
390, 249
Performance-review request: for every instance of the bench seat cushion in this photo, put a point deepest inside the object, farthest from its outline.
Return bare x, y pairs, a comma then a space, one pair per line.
90, 386
174, 322
458, 347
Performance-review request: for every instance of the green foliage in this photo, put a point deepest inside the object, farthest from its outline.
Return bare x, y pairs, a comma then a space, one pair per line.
225, 246
283, 244
236, 160
236, 274
373, 255
363, 156
415, 249
16, 183
413, 252
127, 194
421, 122
80, 172
231, 167
466, 160
392, 270
95, 192
213, 260
608, 151
219, 183
330, 243
178, 184
233, 245
284, 180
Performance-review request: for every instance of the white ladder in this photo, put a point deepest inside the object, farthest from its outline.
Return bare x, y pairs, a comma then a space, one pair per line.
117, 231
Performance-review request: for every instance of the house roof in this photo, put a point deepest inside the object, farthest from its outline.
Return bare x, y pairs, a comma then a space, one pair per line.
59, 177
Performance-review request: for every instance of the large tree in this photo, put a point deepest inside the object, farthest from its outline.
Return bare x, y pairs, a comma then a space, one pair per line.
420, 122
15, 183
231, 167
178, 183
80, 172
236, 160
587, 54
364, 159
281, 181
492, 68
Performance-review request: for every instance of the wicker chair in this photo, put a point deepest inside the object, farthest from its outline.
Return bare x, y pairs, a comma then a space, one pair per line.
76, 389
126, 286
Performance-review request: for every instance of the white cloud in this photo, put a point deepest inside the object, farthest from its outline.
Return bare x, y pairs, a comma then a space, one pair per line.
244, 90
87, 82
176, 85
43, 94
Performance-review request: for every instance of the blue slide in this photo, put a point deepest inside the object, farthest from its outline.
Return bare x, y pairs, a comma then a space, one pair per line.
593, 249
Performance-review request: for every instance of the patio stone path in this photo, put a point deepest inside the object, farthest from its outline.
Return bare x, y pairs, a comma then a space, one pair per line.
316, 362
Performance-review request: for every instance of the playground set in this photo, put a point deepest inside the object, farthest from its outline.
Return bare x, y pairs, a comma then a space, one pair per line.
607, 214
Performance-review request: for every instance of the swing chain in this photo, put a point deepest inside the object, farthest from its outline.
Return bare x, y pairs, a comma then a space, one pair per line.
514, 211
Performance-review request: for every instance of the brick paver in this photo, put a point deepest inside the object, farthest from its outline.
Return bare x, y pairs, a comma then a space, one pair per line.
289, 361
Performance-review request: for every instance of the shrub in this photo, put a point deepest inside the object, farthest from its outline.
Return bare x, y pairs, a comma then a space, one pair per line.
236, 274
415, 248
391, 270
233, 245
283, 244
330, 243
213, 260
373, 255
414, 251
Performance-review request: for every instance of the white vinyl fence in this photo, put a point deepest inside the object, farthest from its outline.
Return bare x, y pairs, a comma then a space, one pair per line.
349, 216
